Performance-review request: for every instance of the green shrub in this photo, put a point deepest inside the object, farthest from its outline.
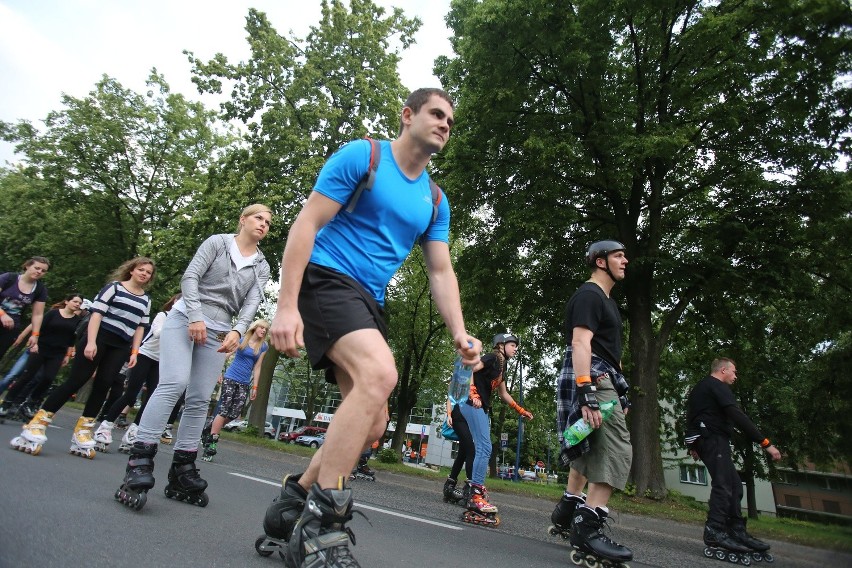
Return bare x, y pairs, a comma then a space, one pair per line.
389, 455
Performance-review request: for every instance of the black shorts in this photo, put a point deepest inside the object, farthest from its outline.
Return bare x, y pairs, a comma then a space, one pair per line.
331, 305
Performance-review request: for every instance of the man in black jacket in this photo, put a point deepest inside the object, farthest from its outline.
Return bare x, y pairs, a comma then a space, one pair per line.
712, 412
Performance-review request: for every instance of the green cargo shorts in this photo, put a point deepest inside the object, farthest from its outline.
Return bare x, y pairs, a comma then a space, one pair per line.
611, 454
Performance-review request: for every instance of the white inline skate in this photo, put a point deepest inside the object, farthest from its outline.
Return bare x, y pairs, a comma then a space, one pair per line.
128, 439
103, 436
82, 443
33, 436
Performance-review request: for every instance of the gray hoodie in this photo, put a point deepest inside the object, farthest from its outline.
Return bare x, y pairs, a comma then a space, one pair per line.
212, 287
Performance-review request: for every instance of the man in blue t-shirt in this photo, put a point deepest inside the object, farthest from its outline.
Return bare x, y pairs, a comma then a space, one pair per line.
335, 269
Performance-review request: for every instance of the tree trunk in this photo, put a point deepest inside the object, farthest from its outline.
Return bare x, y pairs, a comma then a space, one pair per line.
257, 414
644, 416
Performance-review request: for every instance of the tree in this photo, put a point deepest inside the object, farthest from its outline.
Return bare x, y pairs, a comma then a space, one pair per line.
108, 173
302, 99
706, 136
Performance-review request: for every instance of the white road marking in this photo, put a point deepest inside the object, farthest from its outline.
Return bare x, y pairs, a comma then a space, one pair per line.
359, 505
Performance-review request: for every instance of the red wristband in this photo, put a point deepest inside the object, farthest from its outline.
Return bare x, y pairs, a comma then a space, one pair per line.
765, 443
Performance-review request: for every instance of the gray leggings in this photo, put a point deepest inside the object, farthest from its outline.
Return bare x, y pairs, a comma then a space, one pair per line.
183, 366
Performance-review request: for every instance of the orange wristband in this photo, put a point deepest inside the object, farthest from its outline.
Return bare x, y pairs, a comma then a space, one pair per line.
2, 312
36, 334
134, 352
765, 443
584, 380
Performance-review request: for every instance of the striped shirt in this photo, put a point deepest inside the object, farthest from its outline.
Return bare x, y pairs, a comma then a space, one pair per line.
122, 311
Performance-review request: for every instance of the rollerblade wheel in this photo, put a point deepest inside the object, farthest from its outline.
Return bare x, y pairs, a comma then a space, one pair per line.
745, 560
733, 557
591, 562
577, 557
708, 552
768, 558
257, 546
720, 555
202, 500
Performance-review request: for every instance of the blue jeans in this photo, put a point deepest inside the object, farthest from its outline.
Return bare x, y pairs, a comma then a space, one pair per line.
480, 428
16, 370
183, 366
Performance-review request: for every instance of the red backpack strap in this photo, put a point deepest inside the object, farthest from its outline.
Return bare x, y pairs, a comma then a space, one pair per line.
436, 200
369, 177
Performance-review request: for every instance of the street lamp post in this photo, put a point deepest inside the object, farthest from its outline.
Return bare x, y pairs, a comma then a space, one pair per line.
520, 420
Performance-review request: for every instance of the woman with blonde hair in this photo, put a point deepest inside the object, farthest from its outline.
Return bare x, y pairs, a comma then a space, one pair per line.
239, 383
222, 289
119, 316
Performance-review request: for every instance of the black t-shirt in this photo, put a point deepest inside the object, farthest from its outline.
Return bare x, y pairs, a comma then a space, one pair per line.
708, 402
57, 332
484, 379
589, 307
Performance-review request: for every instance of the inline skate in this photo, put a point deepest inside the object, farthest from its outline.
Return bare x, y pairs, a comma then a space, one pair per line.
563, 515
139, 476
362, 471
167, 437
281, 516
103, 436
479, 510
453, 494
82, 443
121, 421
722, 546
320, 537
128, 439
4, 411
184, 482
33, 436
759, 549
591, 546
210, 447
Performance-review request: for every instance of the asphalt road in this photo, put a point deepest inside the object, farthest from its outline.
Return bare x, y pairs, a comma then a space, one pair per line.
58, 510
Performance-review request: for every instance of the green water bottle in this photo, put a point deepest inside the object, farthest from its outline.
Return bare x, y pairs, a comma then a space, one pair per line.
577, 432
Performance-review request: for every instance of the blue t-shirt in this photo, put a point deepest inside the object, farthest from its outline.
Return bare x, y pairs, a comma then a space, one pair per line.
240, 369
372, 242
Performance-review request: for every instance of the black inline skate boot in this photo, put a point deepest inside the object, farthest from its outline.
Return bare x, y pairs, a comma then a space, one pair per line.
281, 517
590, 543
451, 493
363, 471
184, 482
759, 549
321, 537
722, 546
121, 421
139, 476
210, 447
563, 515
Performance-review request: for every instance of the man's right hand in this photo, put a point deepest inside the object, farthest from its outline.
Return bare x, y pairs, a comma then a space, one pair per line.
773, 453
286, 332
592, 417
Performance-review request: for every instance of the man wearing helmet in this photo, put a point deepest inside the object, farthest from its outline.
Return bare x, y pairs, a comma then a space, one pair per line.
590, 375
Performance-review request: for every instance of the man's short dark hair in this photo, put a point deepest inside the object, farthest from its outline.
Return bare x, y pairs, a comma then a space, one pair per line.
420, 97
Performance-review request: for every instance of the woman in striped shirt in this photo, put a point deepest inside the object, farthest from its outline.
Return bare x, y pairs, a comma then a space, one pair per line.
119, 316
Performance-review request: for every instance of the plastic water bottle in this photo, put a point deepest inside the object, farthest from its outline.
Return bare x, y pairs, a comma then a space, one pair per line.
459, 390
577, 432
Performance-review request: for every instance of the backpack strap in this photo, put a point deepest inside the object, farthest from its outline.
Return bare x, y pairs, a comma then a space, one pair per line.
369, 177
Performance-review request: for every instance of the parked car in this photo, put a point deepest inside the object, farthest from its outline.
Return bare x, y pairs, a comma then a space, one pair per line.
311, 441
301, 431
235, 425
240, 425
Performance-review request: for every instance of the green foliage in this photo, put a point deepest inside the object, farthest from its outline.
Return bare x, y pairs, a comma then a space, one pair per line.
301, 99
107, 176
709, 137
389, 455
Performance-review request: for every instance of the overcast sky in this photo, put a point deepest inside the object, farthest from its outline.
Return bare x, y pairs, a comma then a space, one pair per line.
50, 47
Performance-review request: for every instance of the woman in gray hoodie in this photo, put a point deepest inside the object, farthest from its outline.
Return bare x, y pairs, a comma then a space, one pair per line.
224, 281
